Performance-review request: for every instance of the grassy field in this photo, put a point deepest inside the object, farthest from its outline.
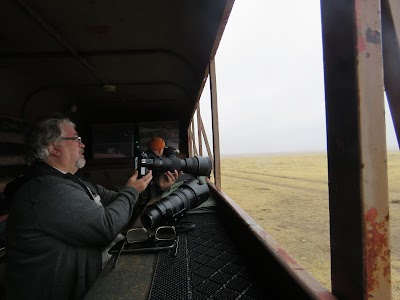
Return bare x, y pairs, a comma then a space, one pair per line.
288, 196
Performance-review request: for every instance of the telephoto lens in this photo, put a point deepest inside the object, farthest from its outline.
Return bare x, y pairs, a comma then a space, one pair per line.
172, 207
197, 165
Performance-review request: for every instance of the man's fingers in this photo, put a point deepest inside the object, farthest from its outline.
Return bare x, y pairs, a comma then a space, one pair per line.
148, 177
135, 175
171, 177
142, 183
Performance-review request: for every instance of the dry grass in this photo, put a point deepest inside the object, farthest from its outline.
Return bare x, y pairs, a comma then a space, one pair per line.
288, 196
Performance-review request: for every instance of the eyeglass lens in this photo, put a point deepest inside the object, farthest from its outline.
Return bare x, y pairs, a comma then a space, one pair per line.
165, 233
136, 235
74, 138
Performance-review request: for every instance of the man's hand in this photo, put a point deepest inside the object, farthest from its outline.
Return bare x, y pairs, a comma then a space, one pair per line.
168, 179
140, 184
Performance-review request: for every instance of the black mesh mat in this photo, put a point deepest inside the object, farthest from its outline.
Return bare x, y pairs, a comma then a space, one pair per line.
208, 265
172, 278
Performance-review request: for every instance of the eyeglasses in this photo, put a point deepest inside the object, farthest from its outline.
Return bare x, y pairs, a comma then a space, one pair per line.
140, 234
77, 139
164, 237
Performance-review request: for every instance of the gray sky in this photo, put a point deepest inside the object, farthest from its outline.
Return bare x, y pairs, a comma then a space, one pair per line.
270, 80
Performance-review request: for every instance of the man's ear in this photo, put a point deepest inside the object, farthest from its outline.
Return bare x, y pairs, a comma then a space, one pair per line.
54, 150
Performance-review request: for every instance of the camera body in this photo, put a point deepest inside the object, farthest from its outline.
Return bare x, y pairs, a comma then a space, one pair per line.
196, 166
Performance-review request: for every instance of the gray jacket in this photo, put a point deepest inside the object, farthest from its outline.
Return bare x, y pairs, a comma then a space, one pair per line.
56, 233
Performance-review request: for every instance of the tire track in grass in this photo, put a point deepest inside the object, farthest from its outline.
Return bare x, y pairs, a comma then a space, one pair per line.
285, 185
392, 190
284, 177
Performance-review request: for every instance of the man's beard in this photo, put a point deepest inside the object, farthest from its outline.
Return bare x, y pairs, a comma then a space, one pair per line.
81, 163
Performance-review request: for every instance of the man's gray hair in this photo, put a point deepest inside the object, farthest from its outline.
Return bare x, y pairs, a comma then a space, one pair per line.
42, 135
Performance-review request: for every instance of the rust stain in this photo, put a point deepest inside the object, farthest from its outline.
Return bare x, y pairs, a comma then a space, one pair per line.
326, 296
361, 47
377, 250
286, 257
360, 43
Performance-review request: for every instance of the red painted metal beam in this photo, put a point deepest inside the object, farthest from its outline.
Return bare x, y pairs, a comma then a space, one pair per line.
357, 165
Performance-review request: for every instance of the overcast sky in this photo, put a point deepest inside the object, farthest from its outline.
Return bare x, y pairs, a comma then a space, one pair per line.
270, 79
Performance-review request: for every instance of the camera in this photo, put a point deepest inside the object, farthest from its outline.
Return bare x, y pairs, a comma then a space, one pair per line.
197, 165
172, 207
170, 151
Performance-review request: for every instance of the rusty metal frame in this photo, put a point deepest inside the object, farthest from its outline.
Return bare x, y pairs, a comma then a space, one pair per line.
357, 166
199, 129
192, 140
215, 124
202, 136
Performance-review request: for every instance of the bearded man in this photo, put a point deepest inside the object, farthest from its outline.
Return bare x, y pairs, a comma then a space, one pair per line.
59, 226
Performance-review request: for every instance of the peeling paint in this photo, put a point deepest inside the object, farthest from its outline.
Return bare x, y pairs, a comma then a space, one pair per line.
373, 36
377, 250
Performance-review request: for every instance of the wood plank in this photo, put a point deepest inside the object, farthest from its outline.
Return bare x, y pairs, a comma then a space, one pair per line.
11, 137
10, 160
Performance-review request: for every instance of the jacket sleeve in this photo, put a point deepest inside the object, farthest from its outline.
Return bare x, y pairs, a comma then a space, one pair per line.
65, 211
106, 196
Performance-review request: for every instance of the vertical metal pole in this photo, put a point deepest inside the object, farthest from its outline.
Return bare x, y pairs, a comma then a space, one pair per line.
215, 126
194, 149
210, 154
199, 129
190, 141
357, 166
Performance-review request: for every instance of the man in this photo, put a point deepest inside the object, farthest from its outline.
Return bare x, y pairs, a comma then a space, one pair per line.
155, 147
160, 182
59, 225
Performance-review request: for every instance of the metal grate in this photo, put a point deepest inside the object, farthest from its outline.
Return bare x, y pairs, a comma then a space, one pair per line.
208, 265
217, 269
171, 277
